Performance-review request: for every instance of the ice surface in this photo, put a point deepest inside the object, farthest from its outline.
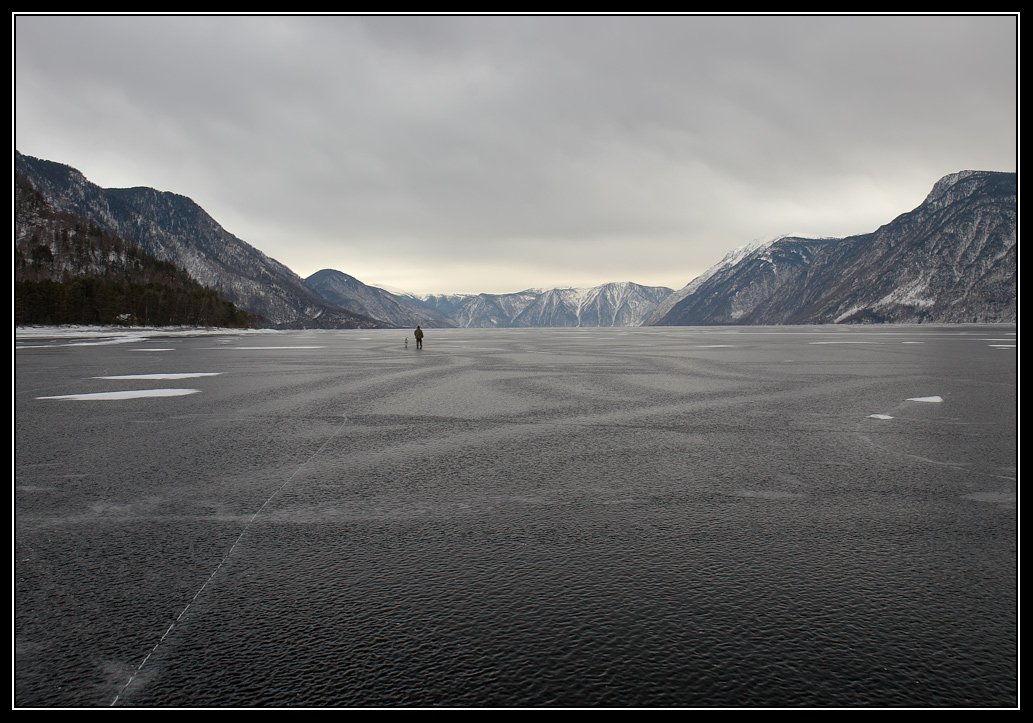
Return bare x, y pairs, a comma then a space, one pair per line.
515, 526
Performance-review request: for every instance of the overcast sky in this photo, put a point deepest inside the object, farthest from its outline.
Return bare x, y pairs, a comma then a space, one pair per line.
494, 154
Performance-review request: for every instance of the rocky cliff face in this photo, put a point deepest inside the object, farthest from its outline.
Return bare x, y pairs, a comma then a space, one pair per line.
952, 259
173, 228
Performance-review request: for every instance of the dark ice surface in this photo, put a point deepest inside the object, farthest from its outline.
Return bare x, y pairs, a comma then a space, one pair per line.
520, 517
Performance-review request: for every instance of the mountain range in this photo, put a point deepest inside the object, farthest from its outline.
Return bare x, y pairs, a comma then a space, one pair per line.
173, 228
952, 259
615, 304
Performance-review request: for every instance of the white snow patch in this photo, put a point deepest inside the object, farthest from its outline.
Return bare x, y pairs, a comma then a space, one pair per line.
186, 375
767, 494
105, 342
253, 348
909, 294
135, 394
1002, 346
152, 349
879, 416
931, 400
841, 342
849, 312
137, 333
912, 342
1008, 499
716, 346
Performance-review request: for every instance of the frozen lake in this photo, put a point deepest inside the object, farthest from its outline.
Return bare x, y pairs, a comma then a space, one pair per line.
799, 516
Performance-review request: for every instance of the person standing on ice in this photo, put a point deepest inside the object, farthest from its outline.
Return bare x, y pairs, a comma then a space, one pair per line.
419, 337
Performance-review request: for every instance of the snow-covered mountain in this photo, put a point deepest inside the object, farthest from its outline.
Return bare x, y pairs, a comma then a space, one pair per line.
482, 310
349, 293
173, 228
730, 259
951, 259
614, 304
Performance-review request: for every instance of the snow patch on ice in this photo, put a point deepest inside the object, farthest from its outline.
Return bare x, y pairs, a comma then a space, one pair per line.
186, 375
137, 333
930, 400
1006, 499
879, 416
134, 394
767, 494
105, 342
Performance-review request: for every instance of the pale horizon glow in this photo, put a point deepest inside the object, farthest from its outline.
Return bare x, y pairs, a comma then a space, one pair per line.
452, 154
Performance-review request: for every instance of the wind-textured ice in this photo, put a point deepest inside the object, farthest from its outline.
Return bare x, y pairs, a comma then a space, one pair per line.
515, 517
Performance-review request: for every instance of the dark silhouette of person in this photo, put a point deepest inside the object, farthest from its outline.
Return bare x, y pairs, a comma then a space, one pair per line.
419, 337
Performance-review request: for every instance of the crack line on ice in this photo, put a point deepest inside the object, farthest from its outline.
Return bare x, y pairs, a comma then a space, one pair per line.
225, 558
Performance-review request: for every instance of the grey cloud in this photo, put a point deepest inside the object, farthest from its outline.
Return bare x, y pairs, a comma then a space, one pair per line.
429, 140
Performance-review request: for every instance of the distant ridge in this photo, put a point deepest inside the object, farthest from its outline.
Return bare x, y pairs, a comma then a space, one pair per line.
614, 304
349, 293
